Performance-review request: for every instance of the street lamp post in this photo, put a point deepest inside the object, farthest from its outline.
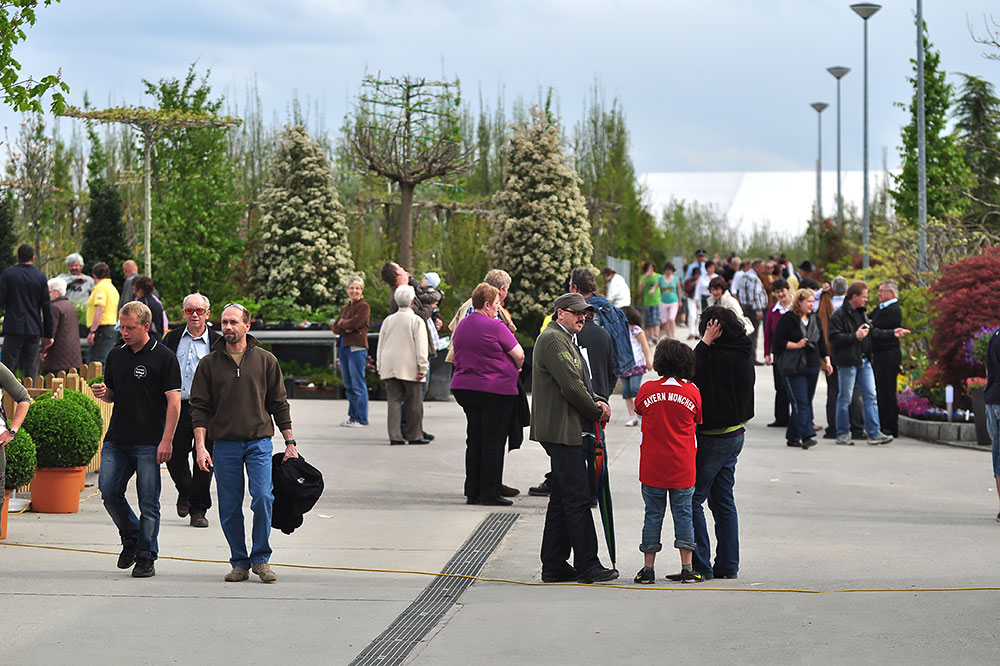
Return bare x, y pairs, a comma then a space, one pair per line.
921, 150
839, 73
819, 106
865, 10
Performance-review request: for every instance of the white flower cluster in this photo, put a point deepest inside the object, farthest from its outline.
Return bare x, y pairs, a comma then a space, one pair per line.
301, 250
541, 230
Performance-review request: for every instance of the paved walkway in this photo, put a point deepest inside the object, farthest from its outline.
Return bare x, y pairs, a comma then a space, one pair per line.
904, 517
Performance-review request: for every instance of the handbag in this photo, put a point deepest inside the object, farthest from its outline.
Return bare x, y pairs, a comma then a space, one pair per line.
792, 362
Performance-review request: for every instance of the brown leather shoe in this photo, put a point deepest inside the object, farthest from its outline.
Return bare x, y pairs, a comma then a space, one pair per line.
182, 509
199, 520
507, 491
237, 574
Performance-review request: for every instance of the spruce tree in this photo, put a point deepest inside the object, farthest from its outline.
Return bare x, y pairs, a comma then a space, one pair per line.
977, 125
104, 232
301, 251
540, 227
947, 175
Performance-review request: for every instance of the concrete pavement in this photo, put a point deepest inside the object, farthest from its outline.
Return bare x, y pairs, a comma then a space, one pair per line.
900, 517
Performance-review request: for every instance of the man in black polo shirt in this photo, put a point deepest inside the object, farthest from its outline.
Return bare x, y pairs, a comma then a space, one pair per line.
143, 381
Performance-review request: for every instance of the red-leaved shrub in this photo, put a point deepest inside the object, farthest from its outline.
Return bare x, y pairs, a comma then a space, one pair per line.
966, 299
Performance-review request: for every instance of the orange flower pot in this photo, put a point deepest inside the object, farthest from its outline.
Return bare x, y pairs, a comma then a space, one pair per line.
3, 514
56, 490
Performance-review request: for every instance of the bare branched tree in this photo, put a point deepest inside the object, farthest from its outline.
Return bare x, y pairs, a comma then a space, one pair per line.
408, 130
991, 37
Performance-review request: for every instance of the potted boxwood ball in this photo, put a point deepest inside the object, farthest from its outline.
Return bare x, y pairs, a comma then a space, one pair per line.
66, 437
20, 453
86, 403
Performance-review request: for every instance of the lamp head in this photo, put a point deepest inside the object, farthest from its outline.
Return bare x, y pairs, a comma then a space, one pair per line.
838, 72
865, 9
819, 106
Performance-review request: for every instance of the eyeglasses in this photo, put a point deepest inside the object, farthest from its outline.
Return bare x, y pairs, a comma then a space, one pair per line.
235, 305
198, 311
589, 314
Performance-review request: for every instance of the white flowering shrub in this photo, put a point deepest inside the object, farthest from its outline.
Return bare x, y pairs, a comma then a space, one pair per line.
541, 231
301, 251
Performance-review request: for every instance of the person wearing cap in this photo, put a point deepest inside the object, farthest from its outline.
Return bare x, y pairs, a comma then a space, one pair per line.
700, 257
563, 408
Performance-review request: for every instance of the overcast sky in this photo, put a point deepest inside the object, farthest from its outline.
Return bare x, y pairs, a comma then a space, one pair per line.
708, 85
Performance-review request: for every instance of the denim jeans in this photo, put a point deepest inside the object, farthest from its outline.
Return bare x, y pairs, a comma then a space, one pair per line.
118, 463
104, 340
352, 369
231, 456
993, 428
716, 461
865, 379
801, 390
655, 500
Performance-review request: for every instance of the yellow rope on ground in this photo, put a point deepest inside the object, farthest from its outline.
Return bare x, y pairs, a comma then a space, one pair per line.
483, 579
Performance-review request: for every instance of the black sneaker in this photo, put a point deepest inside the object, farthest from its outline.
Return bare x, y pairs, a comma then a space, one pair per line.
127, 557
143, 566
541, 490
809, 443
598, 574
686, 577
646, 576
567, 576
793, 442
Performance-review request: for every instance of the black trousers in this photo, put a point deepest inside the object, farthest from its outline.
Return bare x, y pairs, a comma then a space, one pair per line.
193, 485
781, 404
751, 314
569, 523
885, 365
487, 418
21, 351
854, 411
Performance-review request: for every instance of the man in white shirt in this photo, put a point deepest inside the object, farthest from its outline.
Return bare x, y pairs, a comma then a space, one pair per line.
616, 288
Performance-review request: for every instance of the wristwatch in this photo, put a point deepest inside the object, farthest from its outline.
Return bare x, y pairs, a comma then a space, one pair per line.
289, 442
12, 431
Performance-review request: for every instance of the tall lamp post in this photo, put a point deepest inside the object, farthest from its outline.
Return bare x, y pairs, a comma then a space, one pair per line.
819, 106
921, 150
839, 73
865, 10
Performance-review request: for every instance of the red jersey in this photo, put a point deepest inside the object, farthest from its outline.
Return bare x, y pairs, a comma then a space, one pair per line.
670, 408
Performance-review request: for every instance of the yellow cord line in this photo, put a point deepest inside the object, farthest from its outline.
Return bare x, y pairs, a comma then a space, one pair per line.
483, 579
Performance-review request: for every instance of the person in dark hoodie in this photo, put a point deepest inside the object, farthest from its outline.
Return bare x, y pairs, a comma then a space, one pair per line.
724, 374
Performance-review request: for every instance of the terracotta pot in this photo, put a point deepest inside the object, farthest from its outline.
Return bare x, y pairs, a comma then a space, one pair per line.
56, 490
3, 514
83, 479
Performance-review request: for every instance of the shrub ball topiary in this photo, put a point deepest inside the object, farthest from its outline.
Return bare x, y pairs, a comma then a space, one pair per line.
20, 461
82, 400
64, 433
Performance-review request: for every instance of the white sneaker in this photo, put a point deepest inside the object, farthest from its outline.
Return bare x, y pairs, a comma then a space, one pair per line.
351, 424
632, 422
880, 438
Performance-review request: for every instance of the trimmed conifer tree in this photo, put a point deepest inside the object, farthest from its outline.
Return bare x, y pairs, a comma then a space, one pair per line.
8, 239
541, 231
301, 251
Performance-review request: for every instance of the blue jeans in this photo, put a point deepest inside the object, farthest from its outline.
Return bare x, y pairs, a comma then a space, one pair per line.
104, 340
631, 385
993, 428
118, 463
865, 379
716, 462
230, 457
352, 369
655, 500
801, 390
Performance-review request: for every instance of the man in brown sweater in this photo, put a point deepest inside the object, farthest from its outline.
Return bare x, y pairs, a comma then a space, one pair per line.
236, 392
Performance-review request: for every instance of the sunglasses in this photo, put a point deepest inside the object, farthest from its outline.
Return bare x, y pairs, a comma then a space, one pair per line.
198, 311
235, 305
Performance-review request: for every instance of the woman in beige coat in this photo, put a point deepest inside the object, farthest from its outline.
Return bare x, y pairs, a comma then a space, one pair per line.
402, 361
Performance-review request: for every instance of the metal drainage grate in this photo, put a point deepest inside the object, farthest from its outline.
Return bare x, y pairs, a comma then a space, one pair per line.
396, 642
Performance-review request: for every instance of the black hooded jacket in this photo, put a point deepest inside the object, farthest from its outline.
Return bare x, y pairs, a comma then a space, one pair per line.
724, 374
297, 487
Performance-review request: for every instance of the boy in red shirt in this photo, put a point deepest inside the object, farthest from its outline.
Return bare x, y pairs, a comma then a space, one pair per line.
670, 408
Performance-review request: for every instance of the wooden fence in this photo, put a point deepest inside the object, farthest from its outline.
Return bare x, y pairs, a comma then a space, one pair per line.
75, 380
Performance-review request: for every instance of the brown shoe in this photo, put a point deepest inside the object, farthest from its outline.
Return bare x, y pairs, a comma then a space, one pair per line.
507, 491
182, 509
264, 571
237, 574
199, 520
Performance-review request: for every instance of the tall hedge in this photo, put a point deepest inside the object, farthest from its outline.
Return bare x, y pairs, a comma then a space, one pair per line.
64, 432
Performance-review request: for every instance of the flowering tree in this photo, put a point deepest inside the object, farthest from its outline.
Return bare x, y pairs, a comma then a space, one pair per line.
540, 226
301, 249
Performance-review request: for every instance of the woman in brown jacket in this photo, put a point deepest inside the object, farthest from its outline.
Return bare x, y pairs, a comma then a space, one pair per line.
352, 327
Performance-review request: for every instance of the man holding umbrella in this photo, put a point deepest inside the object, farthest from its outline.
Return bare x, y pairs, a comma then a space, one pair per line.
563, 406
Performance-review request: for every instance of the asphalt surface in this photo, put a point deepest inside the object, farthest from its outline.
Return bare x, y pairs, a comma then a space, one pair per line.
895, 521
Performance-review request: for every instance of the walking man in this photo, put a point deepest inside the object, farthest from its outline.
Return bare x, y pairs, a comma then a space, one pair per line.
27, 323
143, 382
236, 392
190, 344
750, 292
562, 402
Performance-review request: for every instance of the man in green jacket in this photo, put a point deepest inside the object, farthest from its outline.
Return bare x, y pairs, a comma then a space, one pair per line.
563, 405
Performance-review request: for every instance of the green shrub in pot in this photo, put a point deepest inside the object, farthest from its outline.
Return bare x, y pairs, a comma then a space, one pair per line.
20, 461
80, 399
64, 432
